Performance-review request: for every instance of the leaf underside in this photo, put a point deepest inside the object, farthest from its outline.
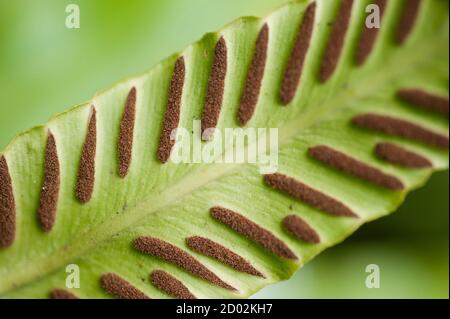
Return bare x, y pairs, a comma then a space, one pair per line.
362, 119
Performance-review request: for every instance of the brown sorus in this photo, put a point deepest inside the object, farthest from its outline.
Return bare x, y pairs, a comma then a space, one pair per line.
368, 36
252, 231
216, 86
125, 146
170, 253
400, 156
308, 195
398, 127
300, 229
120, 288
170, 285
86, 171
215, 250
172, 114
62, 294
336, 40
255, 74
294, 67
407, 20
352, 166
48, 200
423, 99
7, 206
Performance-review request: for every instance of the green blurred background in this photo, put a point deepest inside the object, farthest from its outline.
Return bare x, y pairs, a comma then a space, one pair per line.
45, 68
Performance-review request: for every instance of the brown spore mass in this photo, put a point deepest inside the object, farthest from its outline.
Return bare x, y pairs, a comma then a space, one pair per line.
215, 250
86, 171
369, 36
398, 127
425, 100
125, 147
170, 285
308, 195
300, 229
255, 74
120, 288
294, 68
336, 40
407, 20
252, 231
216, 86
48, 200
62, 294
400, 156
7, 206
173, 110
170, 253
352, 166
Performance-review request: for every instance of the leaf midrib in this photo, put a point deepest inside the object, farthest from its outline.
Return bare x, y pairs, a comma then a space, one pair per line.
94, 237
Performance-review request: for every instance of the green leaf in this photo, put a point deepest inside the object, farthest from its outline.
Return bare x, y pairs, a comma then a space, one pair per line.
139, 217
